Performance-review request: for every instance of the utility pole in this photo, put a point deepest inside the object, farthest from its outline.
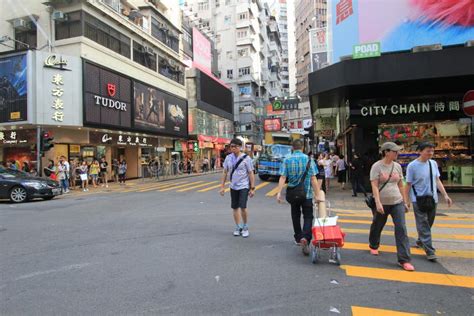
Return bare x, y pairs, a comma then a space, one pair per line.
38, 150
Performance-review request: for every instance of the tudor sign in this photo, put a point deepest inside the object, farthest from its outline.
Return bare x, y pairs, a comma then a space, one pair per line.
468, 103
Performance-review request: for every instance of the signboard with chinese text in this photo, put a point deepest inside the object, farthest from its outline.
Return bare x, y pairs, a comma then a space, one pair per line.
272, 125
18, 137
128, 139
58, 89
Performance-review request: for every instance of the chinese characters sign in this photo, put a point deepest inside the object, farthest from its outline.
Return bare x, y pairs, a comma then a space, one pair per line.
57, 92
17, 137
344, 9
122, 140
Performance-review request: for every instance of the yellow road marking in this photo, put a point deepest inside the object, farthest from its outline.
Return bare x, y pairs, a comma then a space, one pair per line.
414, 251
414, 235
213, 187
353, 221
160, 186
364, 311
197, 186
261, 185
438, 218
409, 277
448, 214
179, 186
274, 191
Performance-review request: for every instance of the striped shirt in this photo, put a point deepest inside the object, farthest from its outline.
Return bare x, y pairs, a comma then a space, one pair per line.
293, 168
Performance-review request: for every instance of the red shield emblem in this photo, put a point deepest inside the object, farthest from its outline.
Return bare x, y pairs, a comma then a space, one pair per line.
111, 89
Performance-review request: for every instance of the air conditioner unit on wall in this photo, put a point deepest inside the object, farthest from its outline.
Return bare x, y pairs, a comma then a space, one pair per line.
20, 24
59, 16
172, 63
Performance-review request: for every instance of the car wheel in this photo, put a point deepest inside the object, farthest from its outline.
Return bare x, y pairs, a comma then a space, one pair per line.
48, 198
18, 195
264, 177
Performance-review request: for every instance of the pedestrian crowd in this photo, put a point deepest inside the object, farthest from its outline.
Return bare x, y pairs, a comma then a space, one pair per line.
307, 175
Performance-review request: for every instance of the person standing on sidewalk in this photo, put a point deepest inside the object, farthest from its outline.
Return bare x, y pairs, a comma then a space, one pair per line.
122, 171
103, 172
341, 167
386, 177
62, 172
423, 183
242, 185
83, 174
357, 174
294, 168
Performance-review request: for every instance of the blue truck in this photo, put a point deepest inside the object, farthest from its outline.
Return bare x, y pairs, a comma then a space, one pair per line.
270, 160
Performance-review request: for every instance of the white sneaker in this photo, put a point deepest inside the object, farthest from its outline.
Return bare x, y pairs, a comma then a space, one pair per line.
237, 231
245, 232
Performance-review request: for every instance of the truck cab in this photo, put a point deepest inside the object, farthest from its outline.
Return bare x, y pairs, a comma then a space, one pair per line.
270, 160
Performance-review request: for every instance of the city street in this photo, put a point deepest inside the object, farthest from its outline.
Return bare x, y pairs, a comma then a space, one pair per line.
167, 248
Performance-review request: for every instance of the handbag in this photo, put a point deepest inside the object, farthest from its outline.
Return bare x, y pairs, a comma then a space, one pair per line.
370, 200
426, 203
297, 194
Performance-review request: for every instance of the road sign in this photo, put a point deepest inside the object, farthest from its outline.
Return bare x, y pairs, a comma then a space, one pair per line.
468, 103
288, 104
366, 50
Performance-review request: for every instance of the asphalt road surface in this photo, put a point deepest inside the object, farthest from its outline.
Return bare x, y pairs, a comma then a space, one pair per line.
167, 248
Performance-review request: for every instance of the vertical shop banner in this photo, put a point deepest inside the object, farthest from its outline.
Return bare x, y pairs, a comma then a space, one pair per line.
399, 24
107, 98
13, 89
202, 55
58, 89
158, 111
319, 48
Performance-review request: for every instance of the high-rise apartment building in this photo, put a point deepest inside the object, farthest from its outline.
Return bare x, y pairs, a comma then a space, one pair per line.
249, 50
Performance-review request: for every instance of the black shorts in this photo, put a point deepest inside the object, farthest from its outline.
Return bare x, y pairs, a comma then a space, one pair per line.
341, 176
239, 198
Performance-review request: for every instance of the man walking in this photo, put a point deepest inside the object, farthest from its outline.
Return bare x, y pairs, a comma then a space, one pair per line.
103, 172
357, 174
293, 168
242, 185
423, 184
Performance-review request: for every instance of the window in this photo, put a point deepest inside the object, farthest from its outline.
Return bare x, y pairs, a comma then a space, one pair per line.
106, 36
242, 34
162, 32
227, 19
145, 56
170, 68
229, 55
217, 3
243, 16
243, 52
203, 6
27, 37
71, 27
244, 71
230, 73
204, 24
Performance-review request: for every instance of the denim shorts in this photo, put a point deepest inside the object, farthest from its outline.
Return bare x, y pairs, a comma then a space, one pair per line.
239, 198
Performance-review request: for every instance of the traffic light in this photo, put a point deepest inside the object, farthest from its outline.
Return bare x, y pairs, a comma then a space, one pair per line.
46, 142
195, 147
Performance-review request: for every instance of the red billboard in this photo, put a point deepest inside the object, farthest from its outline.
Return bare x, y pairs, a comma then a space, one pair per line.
202, 54
272, 125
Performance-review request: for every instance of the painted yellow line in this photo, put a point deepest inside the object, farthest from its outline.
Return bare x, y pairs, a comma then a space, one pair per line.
274, 191
160, 186
414, 251
414, 235
212, 188
445, 213
366, 311
197, 186
261, 185
179, 186
409, 277
353, 221
410, 216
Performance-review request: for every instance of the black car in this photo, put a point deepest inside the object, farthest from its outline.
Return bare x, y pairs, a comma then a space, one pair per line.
19, 187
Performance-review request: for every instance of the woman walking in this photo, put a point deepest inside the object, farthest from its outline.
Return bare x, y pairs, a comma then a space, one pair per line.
386, 177
321, 175
341, 167
122, 171
94, 172
327, 163
83, 173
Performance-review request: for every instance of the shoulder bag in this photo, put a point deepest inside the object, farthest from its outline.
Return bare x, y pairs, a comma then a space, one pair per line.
297, 194
426, 203
369, 199
236, 165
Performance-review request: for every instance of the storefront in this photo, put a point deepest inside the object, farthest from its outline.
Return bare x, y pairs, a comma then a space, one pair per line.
18, 146
406, 98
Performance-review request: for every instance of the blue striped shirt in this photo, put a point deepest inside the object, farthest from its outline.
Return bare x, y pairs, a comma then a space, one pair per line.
293, 168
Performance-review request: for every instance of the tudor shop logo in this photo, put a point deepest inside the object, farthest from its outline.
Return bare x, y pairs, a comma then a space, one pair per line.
111, 89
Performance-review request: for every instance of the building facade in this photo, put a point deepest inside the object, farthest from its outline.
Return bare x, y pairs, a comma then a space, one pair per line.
249, 52
107, 79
